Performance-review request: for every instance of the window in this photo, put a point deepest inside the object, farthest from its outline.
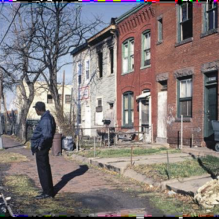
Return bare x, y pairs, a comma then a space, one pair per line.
210, 16
128, 56
67, 99
87, 69
146, 48
49, 99
99, 102
99, 105
111, 60
160, 29
79, 72
128, 107
163, 85
100, 64
185, 97
185, 21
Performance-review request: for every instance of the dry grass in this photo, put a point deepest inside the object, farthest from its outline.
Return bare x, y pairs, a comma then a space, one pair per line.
187, 168
23, 192
12, 157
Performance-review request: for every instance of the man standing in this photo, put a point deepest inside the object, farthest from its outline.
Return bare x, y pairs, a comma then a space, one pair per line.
41, 142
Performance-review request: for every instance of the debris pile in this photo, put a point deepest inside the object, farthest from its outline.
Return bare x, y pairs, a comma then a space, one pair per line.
208, 195
4, 206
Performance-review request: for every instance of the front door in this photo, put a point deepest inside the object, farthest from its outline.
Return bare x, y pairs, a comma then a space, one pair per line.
162, 117
211, 103
144, 118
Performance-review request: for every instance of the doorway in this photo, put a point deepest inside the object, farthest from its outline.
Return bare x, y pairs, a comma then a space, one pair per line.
210, 103
145, 116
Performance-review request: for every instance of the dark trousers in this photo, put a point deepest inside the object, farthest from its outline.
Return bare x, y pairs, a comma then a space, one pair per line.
44, 171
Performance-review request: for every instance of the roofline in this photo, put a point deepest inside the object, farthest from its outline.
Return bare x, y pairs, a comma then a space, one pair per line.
79, 49
131, 11
105, 30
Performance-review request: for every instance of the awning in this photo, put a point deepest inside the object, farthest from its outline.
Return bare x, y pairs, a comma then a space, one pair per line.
143, 96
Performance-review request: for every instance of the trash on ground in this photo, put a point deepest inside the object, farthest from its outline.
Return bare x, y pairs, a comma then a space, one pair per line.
208, 195
170, 193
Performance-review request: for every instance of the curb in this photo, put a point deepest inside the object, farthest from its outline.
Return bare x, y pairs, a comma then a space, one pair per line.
127, 172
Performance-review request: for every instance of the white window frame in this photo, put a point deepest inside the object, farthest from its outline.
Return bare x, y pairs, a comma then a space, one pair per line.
181, 22
188, 96
146, 47
130, 56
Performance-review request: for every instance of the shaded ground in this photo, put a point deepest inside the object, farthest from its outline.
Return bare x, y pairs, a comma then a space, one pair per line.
81, 189
3, 169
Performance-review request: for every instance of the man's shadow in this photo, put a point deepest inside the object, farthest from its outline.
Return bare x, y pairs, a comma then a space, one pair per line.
205, 167
68, 177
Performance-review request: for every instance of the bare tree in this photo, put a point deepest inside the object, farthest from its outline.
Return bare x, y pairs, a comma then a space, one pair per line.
19, 69
59, 30
42, 35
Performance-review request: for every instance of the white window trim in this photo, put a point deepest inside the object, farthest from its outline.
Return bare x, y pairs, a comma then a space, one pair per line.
129, 55
143, 50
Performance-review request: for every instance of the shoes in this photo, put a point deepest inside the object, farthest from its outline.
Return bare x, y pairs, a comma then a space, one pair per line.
43, 196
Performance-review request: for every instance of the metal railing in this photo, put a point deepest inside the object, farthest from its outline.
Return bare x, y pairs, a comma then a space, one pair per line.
113, 136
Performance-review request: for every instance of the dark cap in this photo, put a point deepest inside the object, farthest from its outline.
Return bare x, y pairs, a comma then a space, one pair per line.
40, 106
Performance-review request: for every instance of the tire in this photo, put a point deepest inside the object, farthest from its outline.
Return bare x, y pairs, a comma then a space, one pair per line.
217, 147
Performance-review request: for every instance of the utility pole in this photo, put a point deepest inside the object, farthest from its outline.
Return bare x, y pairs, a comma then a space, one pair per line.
1, 128
71, 105
63, 90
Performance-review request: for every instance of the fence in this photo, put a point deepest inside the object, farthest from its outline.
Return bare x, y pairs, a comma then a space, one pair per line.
113, 136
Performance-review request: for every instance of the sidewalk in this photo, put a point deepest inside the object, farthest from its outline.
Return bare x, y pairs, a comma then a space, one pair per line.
62, 167
186, 186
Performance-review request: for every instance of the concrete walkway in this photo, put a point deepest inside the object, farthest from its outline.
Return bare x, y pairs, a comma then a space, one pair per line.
120, 165
187, 186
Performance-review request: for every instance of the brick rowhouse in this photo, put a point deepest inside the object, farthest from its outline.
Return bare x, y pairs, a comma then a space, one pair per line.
194, 58
131, 26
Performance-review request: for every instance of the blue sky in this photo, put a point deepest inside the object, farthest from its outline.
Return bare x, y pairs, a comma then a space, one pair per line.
105, 10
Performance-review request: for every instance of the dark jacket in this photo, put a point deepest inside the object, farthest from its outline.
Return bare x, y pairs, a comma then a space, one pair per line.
43, 133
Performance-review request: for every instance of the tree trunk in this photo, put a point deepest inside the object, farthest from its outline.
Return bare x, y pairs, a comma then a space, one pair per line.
27, 101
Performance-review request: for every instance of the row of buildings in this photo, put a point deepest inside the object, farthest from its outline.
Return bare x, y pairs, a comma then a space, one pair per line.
147, 69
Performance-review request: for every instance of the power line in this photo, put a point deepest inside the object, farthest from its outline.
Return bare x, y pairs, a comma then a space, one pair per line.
10, 24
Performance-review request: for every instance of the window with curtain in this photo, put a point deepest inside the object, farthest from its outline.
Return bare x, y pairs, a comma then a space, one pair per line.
128, 109
185, 97
128, 56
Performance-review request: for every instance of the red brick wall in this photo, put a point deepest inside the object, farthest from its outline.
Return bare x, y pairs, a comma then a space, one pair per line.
193, 54
139, 79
